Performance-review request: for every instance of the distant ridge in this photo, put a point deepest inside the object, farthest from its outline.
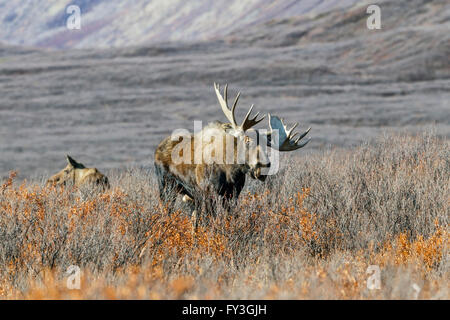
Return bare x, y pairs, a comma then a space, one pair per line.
116, 23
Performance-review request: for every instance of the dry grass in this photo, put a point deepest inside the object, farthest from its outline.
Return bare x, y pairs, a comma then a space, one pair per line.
310, 232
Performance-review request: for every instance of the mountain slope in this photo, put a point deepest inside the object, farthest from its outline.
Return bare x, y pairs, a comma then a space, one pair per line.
113, 23
111, 107
414, 40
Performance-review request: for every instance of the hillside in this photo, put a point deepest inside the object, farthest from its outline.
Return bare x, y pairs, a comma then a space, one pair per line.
116, 23
371, 189
109, 108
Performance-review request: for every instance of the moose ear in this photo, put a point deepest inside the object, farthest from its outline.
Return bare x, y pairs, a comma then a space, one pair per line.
73, 163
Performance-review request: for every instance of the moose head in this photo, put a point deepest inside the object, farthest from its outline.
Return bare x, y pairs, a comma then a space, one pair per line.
77, 174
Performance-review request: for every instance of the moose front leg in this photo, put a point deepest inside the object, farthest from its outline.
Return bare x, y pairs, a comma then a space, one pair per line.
194, 215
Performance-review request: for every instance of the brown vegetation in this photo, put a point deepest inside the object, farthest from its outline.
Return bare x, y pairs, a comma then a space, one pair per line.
310, 232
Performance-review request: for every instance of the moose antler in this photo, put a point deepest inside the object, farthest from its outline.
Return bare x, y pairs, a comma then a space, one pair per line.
229, 113
286, 140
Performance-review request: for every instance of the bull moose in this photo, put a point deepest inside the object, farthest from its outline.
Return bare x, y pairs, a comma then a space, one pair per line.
208, 167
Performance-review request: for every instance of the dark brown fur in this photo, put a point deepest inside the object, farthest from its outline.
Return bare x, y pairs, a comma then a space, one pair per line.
201, 181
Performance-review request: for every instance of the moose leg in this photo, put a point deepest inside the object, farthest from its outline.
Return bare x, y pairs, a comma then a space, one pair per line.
196, 214
167, 187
